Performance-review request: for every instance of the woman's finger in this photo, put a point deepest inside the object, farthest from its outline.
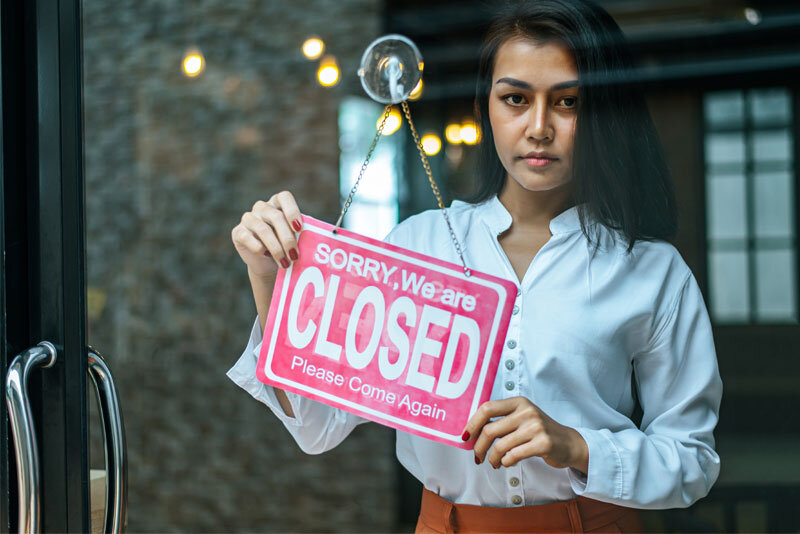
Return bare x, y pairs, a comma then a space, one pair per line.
287, 204
501, 448
489, 433
276, 219
485, 412
266, 235
251, 242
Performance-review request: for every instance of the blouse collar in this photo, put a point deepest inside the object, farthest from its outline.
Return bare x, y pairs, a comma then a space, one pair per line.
498, 219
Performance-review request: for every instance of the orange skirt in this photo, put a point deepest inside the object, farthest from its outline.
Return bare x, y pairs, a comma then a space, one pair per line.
578, 515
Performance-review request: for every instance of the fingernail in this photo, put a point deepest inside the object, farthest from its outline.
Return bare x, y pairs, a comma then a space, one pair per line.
297, 225
284, 263
477, 460
293, 254
266, 253
465, 436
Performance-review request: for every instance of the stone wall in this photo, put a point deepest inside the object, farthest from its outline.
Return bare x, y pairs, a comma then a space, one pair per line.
171, 164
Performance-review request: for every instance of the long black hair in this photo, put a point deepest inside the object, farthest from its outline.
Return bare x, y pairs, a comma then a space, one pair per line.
620, 177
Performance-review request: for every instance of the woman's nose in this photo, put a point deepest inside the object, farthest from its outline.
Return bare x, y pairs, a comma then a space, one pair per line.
538, 126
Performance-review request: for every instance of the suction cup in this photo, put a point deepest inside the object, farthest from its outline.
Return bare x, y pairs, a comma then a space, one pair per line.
390, 69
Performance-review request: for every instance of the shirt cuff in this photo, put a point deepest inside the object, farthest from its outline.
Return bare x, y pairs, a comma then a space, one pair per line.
604, 479
243, 374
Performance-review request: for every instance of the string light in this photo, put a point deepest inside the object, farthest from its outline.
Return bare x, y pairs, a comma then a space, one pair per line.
431, 144
313, 47
453, 133
470, 134
193, 62
417, 91
393, 122
328, 72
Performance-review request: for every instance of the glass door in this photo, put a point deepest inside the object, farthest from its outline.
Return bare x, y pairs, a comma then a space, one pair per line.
43, 269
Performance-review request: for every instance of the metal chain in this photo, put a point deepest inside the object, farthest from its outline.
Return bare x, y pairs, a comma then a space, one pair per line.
387, 110
434, 187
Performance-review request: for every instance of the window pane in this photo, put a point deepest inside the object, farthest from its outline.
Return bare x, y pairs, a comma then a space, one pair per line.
775, 283
357, 126
772, 145
773, 205
725, 148
726, 207
728, 283
371, 220
724, 109
770, 106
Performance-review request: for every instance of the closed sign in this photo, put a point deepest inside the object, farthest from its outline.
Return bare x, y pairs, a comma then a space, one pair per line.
402, 339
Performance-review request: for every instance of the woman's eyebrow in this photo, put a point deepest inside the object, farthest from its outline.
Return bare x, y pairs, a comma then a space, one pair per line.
527, 86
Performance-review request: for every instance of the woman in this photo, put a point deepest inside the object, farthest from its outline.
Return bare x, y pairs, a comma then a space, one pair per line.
575, 205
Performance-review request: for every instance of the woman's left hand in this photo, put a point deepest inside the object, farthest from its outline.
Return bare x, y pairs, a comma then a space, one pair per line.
523, 431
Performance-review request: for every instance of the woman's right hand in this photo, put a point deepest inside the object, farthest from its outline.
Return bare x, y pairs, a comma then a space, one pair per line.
265, 237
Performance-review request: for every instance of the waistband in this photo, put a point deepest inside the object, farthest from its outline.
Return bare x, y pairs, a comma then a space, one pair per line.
577, 515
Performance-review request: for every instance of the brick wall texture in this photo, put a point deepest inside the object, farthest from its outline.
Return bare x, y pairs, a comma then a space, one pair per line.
171, 164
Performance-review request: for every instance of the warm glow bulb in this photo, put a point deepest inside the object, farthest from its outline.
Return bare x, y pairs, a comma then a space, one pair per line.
313, 47
417, 92
328, 72
393, 122
431, 144
453, 134
469, 133
193, 63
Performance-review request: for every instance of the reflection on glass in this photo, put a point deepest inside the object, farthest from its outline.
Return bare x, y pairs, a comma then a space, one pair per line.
775, 285
372, 220
774, 196
770, 106
724, 109
725, 148
375, 204
772, 145
726, 216
728, 283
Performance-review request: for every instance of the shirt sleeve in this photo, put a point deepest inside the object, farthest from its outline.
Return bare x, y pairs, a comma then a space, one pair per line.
671, 461
316, 427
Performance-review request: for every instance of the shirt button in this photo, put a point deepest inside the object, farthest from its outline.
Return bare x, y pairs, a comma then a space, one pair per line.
516, 499
514, 482
519, 291
509, 364
515, 310
509, 385
511, 344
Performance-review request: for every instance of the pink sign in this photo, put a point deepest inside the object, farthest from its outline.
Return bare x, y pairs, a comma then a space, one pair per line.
397, 337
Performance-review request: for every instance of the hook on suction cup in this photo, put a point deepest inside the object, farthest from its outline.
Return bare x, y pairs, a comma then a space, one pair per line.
390, 69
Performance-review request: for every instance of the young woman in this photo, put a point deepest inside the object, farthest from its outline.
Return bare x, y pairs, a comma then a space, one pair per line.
575, 205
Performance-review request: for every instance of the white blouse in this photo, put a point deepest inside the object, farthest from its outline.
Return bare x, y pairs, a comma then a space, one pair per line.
585, 318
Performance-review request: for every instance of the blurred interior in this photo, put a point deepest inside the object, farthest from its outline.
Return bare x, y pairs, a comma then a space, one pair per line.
193, 111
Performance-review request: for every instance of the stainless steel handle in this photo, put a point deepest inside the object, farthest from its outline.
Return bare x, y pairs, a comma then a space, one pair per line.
116, 449
19, 413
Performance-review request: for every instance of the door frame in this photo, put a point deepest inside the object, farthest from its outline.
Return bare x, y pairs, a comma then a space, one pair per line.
43, 273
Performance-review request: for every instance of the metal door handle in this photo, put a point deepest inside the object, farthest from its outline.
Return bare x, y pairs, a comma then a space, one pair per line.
116, 449
19, 413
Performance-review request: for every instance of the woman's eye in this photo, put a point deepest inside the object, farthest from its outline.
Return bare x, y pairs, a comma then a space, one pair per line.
568, 102
514, 100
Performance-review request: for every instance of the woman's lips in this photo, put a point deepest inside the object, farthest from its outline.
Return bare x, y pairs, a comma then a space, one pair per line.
539, 162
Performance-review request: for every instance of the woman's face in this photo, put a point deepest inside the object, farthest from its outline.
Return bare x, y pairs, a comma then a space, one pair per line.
532, 110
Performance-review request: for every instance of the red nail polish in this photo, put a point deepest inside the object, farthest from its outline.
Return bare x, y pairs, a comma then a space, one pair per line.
465, 436
284, 263
297, 225
477, 460
293, 254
